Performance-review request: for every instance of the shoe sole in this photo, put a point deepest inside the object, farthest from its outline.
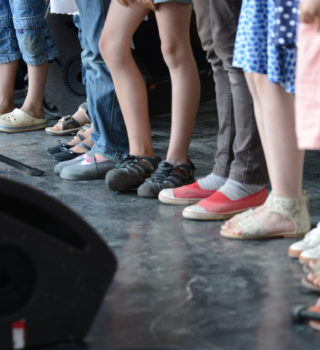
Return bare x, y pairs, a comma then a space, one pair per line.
75, 178
30, 128
224, 233
210, 216
63, 132
123, 184
178, 201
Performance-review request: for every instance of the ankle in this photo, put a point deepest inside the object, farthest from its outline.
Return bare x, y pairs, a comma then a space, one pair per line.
211, 182
33, 109
6, 106
145, 154
100, 158
235, 190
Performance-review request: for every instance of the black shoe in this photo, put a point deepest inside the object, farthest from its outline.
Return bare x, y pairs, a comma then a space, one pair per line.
131, 173
167, 176
59, 148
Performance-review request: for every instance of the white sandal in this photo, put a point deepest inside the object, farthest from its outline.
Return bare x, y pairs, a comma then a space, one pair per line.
294, 209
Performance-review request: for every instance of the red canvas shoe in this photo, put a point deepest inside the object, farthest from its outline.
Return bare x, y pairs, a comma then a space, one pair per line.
184, 195
218, 206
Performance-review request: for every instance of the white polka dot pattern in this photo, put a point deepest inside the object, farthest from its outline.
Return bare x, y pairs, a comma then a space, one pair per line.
255, 47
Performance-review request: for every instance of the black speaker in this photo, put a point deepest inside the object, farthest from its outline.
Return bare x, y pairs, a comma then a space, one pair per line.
64, 85
54, 269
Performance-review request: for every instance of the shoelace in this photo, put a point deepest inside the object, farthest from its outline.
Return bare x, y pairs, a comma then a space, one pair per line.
162, 173
165, 174
132, 163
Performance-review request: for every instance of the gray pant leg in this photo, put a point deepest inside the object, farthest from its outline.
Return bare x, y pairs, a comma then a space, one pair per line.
239, 154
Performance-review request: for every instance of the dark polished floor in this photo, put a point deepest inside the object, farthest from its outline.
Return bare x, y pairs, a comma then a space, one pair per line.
179, 284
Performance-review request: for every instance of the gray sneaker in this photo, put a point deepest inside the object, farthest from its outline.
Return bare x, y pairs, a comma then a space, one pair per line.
131, 173
87, 169
167, 175
58, 167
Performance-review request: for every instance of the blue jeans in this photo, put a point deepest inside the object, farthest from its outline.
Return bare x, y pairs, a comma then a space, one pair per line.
110, 135
76, 22
24, 32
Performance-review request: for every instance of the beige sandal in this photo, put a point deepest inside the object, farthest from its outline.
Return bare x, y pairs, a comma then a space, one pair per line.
20, 121
294, 209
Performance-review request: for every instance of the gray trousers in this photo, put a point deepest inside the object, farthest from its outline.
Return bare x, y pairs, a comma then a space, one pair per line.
239, 153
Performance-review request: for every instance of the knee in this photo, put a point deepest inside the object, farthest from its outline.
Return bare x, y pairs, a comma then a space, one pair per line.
174, 53
113, 51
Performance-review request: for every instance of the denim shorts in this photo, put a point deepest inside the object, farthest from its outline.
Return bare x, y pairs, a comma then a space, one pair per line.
24, 32
183, 1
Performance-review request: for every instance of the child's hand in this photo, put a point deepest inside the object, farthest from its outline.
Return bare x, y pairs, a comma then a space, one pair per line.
148, 4
310, 12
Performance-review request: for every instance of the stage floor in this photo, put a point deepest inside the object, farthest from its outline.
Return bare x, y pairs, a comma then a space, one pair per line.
179, 284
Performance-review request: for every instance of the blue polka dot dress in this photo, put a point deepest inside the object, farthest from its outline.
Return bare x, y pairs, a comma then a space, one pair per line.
257, 47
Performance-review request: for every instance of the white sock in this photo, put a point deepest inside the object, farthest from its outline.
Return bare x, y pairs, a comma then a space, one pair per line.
236, 190
211, 182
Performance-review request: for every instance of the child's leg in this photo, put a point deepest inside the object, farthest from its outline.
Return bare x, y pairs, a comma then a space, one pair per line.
8, 73
37, 76
115, 46
275, 117
285, 161
174, 27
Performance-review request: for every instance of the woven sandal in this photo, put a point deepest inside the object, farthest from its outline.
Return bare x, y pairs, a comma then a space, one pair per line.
67, 125
294, 209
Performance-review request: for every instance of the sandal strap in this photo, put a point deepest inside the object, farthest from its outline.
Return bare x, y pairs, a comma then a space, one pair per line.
84, 108
80, 137
296, 209
316, 269
83, 145
67, 122
250, 227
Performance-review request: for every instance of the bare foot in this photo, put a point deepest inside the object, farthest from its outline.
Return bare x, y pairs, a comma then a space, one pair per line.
35, 111
6, 108
83, 132
80, 116
100, 158
79, 149
230, 224
271, 222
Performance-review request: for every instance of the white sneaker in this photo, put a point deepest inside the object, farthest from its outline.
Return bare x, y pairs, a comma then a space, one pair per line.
310, 241
310, 254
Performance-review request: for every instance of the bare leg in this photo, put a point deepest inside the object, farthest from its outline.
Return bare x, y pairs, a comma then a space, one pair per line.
33, 103
8, 73
174, 27
115, 47
275, 116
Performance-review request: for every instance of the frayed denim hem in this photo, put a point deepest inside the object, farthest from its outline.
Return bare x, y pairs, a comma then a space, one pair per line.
10, 58
108, 154
40, 59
